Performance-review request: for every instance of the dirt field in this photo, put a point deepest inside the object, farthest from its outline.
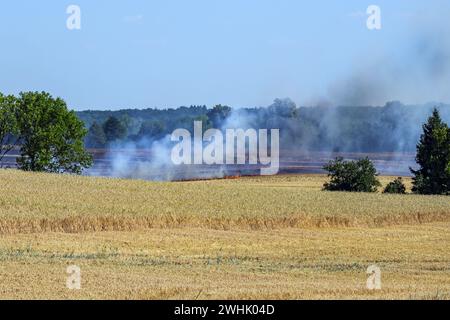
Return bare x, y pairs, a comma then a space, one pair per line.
273, 237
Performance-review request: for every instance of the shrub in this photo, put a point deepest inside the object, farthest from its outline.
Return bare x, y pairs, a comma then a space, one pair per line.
396, 186
353, 176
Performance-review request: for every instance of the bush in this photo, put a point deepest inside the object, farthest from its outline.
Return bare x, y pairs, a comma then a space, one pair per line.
353, 176
396, 186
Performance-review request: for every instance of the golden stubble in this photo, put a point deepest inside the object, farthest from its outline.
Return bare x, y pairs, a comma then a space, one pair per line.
250, 238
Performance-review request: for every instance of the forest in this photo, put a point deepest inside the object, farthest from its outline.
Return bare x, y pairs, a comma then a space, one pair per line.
394, 127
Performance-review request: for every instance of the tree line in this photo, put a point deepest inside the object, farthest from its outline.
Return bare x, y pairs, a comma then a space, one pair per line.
393, 127
49, 137
108, 128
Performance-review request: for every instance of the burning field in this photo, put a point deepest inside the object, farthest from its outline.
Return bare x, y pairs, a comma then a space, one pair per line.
147, 164
277, 237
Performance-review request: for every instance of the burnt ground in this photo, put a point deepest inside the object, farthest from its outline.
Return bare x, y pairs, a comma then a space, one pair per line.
140, 164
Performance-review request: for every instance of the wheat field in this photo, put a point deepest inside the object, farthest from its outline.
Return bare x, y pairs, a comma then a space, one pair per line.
275, 237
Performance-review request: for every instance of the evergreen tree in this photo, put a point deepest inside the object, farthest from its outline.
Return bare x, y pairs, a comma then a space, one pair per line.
433, 157
152, 129
114, 129
96, 137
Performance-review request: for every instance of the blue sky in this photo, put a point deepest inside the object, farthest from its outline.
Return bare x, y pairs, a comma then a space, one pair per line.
142, 53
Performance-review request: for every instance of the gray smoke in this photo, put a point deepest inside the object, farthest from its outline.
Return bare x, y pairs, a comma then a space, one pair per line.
150, 160
418, 73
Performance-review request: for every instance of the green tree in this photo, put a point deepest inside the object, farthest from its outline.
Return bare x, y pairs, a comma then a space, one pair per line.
96, 137
114, 129
132, 125
433, 157
396, 186
51, 136
285, 108
354, 176
152, 129
206, 123
218, 114
8, 125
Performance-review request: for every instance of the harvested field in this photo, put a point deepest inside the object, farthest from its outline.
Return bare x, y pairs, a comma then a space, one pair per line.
34, 202
249, 238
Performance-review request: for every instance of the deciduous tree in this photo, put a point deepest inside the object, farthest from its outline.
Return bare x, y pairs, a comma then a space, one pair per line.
8, 125
51, 136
